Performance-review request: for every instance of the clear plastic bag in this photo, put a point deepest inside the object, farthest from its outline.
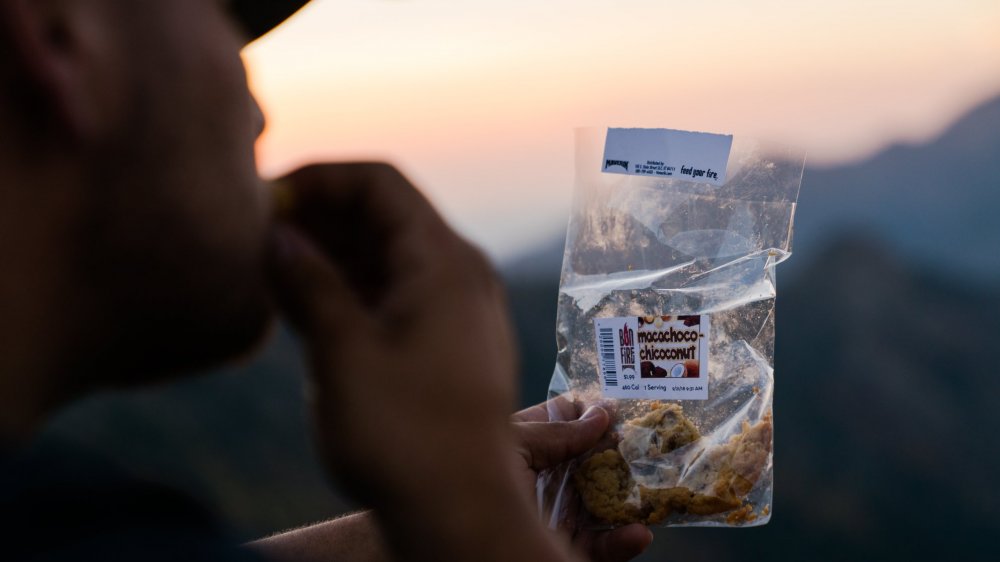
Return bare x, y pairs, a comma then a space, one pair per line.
671, 255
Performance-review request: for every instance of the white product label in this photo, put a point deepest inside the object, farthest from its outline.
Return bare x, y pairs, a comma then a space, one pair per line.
683, 155
653, 357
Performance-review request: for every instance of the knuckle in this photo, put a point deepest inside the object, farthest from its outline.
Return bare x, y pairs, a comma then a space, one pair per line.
382, 169
311, 180
376, 172
310, 174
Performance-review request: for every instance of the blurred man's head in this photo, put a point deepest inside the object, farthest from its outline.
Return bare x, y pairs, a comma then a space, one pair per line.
132, 220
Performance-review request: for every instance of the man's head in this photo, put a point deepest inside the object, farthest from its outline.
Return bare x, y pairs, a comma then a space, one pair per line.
130, 205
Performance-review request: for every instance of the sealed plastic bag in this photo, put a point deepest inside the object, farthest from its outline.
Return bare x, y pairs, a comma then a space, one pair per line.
666, 319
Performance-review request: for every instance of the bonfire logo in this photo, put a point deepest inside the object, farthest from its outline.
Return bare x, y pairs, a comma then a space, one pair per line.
622, 163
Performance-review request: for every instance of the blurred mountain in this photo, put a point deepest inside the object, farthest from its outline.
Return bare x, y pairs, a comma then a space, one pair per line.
934, 203
543, 262
886, 444
886, 429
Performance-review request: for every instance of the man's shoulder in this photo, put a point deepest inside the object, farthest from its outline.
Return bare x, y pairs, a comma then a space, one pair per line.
61, 502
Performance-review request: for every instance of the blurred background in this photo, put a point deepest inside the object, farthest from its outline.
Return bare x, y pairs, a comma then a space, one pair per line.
888, 319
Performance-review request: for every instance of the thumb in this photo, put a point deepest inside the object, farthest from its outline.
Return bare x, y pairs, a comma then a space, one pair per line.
547, 444
618, 545
311, 292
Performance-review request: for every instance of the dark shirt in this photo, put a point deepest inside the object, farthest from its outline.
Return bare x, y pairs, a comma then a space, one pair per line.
60, 503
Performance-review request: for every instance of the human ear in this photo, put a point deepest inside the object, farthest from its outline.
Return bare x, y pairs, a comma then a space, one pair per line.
57, 55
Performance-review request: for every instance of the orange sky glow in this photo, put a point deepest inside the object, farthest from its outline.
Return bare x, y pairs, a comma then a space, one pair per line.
477, 100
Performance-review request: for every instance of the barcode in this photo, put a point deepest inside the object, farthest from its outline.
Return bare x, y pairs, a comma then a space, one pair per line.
606, 343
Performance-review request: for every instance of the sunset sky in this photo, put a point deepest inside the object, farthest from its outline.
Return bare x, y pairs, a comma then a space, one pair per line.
477, 100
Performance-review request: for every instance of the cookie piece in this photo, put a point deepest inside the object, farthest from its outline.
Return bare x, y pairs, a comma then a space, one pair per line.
726, 473
609, 492
604, 483
659, 503
663, 429
751, 454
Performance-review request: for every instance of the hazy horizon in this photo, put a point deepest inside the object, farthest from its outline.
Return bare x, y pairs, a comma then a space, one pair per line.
477, 103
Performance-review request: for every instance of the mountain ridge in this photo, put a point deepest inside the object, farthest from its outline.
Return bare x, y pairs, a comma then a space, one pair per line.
934, 203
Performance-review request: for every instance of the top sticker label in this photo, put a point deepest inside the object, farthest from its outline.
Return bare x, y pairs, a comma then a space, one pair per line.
667, 153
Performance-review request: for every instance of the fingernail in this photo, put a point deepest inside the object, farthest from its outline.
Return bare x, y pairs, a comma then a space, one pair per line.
592, 412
